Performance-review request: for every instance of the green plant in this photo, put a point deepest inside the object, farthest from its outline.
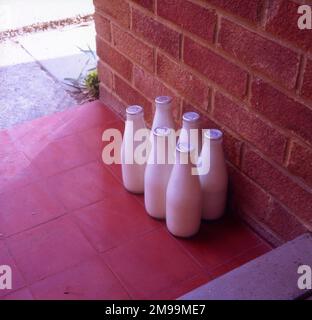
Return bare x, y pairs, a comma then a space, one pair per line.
87, 83
92, 83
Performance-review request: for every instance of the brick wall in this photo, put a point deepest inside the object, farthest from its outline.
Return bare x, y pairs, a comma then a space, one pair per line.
247, 68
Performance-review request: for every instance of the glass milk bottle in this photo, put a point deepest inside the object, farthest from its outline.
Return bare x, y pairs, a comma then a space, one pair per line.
191, 130
163, 114
158, 170
184, 196
132, 167
213, 175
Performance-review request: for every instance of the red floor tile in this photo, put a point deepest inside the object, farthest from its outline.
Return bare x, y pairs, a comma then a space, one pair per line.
83, 186
115, 168
92, 138
150, 264
37, 134
7, 145
88, 280
219, 242
59, 155
20, 130
6, 259
113, 221
27, 207
49, 249
93, 114
182, 287
23, 294
16, 171
241, 259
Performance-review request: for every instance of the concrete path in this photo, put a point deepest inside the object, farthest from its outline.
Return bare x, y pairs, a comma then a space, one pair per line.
27, 91
33, 68
19, 13
60, 51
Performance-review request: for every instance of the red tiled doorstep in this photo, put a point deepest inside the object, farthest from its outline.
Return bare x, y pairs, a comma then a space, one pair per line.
7, 145
16, 171
84, 185
22, 294
27, 207
17, 278
114, 221
49, 249
60, 155
241, 259
181, 288
89, 115
91, 279
58, 256
219, 242
150, 264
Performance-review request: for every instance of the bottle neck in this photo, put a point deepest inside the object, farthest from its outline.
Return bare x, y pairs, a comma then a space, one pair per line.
163, 108
213, 148
136, 119
187, 125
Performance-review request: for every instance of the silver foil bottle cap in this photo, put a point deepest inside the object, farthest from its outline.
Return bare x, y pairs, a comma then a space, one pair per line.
163, 100
191, 116
135, 109
162, 131
213, 134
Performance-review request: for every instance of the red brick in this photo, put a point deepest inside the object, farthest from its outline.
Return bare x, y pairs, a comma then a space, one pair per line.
186, 83
232, 145
152, 87
250, 10
133, 48
216, 68
300, 162
132, 96
282, 21
105, 75
108, 98
282, 110
280, 185
306, 89
156, 33
113, 58
190, 16
147, 4
247, 198
263, 55
250, 127
103, 27
119, 10
283, 223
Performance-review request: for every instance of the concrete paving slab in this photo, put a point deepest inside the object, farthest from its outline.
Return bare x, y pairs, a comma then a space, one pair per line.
27, 92
271, 276
58, 51
11, 53
19, 13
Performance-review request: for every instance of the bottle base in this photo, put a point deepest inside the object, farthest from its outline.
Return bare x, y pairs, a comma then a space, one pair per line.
138, 192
